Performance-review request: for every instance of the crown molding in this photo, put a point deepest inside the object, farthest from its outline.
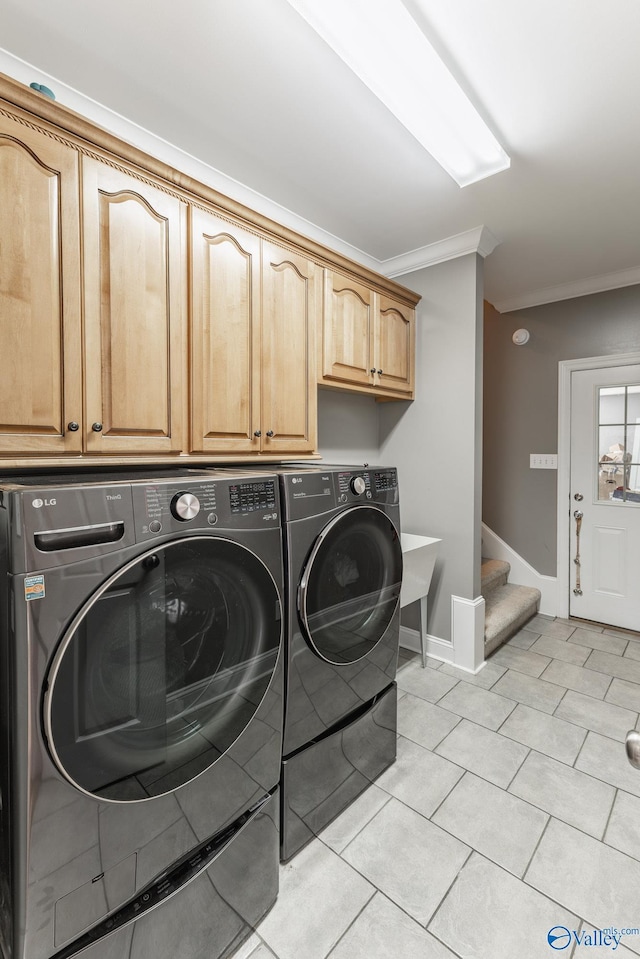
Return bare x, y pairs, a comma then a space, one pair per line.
568, 291
154, 145
478, 240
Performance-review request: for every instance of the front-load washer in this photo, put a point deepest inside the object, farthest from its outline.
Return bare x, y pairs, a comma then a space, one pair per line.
343, 562
141, 711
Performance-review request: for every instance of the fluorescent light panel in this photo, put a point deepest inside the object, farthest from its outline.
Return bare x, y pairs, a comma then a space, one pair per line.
381, 42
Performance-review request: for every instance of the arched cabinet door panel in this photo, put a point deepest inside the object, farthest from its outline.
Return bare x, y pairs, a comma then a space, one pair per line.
394, 337
134, 239
291, 294
225, 336
40, 368
347, 331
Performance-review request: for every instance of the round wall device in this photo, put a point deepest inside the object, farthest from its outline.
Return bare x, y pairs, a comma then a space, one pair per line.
520, 337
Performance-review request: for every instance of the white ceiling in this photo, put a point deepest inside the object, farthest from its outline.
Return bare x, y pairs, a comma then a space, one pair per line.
247, 87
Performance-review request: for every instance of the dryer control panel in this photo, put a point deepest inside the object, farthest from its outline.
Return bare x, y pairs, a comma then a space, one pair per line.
312, 491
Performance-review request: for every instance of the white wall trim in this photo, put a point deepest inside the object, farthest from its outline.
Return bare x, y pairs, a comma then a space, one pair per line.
522, 572
565, 369
467, 632
437, 648
478, 240
169, 153
568, 291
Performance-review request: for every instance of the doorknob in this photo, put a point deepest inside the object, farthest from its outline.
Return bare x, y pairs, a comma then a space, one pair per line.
578, 496
632, 746
578, 514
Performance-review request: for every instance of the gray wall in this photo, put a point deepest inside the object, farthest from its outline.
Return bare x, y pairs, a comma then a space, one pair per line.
348, 427
436, 441
521, 407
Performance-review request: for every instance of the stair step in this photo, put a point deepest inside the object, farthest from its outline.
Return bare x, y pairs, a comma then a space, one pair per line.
507, 609
494, 573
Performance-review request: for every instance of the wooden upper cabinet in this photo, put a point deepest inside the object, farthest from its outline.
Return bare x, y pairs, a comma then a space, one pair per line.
225, 336
347, 331
394, 351
40, 379
134, 237
144, 317
291, 297
367, 340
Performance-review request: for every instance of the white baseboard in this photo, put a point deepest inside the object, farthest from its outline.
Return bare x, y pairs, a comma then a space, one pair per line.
521, 572
437, 648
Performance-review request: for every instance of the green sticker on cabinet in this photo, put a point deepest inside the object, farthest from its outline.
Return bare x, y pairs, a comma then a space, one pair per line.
33, 587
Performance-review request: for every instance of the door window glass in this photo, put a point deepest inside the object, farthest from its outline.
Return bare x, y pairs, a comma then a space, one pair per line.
619, 444
163, 669
351, 585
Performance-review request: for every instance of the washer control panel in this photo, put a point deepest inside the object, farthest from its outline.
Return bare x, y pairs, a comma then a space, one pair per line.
353, 486
385, 480
169, 507
249, 497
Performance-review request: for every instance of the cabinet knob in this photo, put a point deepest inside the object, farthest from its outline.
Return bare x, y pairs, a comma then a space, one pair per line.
96, 427
73, 427
270, 433
379, 372
258, 433
372, 370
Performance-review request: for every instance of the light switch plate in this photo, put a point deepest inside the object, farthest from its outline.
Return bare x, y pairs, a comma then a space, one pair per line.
543, 461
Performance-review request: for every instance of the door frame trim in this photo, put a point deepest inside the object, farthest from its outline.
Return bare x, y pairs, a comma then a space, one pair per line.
565, 369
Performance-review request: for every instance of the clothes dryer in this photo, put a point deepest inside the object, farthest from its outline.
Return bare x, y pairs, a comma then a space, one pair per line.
141, 713
343, 562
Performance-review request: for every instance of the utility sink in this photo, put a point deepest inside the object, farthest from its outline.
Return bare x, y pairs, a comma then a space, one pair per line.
419, 555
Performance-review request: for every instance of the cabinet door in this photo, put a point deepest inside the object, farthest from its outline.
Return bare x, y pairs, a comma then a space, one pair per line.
347, 332
290, 307
394, 350
40, 352
134, 263
225, 336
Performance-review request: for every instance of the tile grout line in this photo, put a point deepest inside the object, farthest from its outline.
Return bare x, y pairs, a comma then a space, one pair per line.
444, 799
450, 887
510, 783
606, 825
354, 920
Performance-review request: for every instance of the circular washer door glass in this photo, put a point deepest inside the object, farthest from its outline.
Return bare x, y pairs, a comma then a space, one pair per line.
350, 587
163, 669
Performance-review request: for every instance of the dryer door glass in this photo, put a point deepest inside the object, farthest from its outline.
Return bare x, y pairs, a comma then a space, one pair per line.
163, 669
350, 587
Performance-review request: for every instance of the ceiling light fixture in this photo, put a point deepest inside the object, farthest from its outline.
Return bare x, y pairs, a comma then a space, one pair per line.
381, 42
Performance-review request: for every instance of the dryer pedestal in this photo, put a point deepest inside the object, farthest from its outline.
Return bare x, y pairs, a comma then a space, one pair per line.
319, 781
213, 914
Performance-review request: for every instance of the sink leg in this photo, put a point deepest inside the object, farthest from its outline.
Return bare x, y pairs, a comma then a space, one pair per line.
423, 629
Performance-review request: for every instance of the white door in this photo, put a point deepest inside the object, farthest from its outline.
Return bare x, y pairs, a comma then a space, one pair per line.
605, 496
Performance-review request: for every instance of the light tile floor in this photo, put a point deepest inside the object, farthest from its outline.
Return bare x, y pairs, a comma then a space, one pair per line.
511, 810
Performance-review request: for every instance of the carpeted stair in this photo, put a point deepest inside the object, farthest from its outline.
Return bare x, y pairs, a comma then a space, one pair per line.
507, 606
